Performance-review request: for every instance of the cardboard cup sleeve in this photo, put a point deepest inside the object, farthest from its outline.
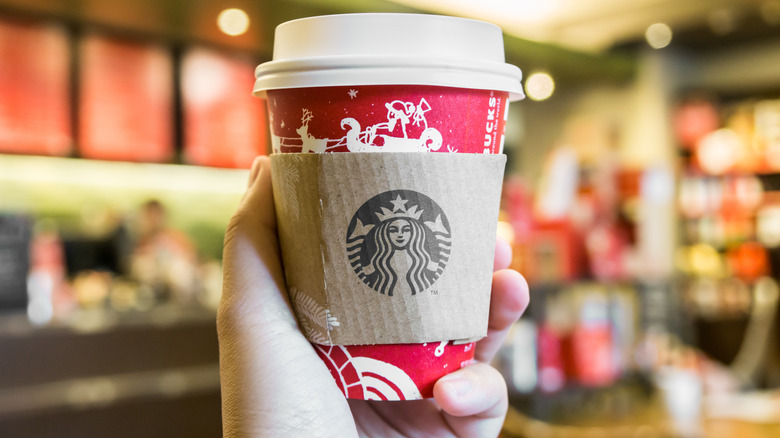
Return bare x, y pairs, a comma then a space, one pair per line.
388, 248
383, 250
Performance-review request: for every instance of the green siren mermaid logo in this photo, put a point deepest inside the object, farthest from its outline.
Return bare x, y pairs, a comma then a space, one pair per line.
399, 242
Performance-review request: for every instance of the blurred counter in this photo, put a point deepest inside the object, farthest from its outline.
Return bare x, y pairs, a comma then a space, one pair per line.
115, 374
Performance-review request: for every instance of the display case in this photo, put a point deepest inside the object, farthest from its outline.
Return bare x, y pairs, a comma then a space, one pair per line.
729, 200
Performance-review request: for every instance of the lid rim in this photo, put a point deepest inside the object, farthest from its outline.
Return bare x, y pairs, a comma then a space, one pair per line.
354, 63
404, 76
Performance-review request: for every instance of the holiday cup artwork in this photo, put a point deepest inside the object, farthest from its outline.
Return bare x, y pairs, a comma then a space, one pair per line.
403, 372
381, 118
376, 372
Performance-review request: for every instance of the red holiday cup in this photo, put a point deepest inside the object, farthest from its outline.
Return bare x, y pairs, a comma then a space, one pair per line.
387, 118
388, 83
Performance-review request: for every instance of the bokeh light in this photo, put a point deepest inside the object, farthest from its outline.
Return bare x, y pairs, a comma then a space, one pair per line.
506, 232
719, 151
658, 35
233, 21
539, 86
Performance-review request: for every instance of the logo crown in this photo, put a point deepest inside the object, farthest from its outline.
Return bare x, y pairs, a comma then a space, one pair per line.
399, 211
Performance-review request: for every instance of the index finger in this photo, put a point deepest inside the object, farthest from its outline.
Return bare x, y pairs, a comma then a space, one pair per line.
508, 300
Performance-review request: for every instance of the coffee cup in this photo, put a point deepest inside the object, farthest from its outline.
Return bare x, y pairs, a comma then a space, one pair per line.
388, 248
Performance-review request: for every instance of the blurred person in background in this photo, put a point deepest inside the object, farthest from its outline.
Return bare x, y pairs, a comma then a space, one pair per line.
164, 257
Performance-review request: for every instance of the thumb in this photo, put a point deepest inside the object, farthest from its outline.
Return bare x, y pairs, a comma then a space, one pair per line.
473, 400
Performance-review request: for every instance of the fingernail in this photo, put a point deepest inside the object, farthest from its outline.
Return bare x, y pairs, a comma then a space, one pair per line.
460, 385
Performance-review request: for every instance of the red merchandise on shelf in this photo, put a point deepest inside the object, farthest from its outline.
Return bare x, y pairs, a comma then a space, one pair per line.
629, 183
125, 101
224, 125
606, 245
550, 361
748, 261
741, 195
693, 120
34, 89
592, 354
555, 253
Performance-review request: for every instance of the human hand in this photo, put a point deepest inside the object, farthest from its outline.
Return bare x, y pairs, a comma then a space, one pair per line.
273, 382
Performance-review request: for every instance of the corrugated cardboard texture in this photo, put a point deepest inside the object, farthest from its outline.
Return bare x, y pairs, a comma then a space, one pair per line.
388, 248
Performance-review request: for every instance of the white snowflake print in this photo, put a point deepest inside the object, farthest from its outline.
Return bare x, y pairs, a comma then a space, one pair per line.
316, 322
285, 174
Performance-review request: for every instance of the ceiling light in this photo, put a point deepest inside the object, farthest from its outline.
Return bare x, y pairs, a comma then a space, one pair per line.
658, 35
233, 21
539, 86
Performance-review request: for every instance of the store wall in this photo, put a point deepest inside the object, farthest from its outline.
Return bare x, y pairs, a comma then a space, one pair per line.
560, 119
743, 69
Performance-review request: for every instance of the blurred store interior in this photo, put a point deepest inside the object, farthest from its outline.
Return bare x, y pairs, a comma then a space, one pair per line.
642, 199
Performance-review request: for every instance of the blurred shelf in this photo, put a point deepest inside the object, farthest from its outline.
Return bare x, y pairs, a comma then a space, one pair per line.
189, 414
103, 391
104, 373
100, 320
102, 343
770, 181
576, 403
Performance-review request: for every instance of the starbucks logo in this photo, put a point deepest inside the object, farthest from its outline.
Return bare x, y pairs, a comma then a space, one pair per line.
399, 242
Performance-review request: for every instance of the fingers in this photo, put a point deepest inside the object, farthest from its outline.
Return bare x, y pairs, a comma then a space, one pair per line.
473, 400
508, 300
503, 257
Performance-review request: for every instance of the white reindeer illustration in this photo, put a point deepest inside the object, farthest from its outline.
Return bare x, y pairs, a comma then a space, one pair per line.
309, 142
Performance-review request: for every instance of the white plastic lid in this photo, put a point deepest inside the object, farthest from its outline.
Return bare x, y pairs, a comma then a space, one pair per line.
388, 49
